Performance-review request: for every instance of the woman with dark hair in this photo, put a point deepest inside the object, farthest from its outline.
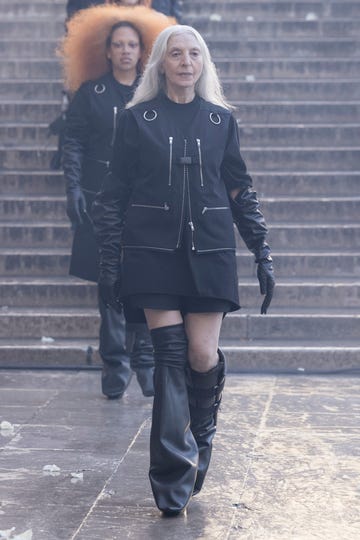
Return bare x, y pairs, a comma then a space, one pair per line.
90, 133
178, 184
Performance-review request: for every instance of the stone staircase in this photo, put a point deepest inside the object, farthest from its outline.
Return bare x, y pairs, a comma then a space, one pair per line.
292, 68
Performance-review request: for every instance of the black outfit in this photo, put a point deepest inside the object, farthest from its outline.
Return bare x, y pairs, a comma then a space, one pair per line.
91, 128
73, 6
168, 7
167, 204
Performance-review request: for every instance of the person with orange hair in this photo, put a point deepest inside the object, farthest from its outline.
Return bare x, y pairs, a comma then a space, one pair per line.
103, 54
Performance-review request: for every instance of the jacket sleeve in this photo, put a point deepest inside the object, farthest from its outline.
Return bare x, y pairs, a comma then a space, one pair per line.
245, 206
76, 137
111, 202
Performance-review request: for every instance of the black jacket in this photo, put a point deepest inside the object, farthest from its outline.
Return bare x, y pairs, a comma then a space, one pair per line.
168, 7
158, 177
91, 126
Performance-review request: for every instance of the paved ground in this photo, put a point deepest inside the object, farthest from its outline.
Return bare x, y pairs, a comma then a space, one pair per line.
286, 462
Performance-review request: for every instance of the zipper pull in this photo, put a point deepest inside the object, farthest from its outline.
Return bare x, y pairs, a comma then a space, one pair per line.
191, 225
170, 158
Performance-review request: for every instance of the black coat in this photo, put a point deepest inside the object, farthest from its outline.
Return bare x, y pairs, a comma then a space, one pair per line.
158, 178
90, 132
168, 7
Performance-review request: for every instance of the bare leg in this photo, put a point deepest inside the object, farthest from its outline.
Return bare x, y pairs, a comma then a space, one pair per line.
203, 331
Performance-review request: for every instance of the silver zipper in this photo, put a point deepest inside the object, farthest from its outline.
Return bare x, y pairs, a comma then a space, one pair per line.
206, 208
115, 109
183, 199
165, 206
170, 158
200, 160
190, 223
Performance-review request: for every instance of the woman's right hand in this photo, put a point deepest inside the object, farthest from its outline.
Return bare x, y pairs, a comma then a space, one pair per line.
75, 206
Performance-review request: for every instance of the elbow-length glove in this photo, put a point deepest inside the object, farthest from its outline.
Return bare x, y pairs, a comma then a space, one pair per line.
253, 230
107, 213
75, 198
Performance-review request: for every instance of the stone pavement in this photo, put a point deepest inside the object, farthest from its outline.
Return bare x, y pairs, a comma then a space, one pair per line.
286, 461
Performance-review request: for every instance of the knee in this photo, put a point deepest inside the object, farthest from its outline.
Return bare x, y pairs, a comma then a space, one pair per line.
202, 358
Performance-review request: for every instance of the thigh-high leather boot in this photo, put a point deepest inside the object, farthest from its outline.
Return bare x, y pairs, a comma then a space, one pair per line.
204, 390
116, 373
173, 449
140, 348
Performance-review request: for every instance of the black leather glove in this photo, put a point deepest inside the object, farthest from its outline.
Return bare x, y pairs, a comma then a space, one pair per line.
265, 274
109, 291
75, 205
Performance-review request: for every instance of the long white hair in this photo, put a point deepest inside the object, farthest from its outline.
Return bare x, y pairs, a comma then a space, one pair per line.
153, 81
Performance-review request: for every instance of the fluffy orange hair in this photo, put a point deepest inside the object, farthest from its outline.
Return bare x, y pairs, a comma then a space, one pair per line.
83, 49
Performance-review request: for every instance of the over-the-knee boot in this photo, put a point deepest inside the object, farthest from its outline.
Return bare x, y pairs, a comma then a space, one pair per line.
140, 348
204, 390
116, 373
173, 449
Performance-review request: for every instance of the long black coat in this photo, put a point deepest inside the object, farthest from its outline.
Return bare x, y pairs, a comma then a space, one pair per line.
90, 133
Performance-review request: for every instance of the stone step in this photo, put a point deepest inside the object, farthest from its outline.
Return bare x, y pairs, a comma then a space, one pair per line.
25, 158
32, 182
299, 135
36, 9
316, 210
41, 48
281, 209
290, 326
84, 323
315, 47
258, 112
234, 88
328, 236
321, 183
302, 159
259, 356
304, 357
265, 157
33, 208
265, 9
35, 323
40, 89
67, 292
296, 236
32, 68
14, 135
253, 48
297, 112
55, 262
32, 28
32, 353
37, 262
285, 90
285, 68
41, 234
273, 28
276, 68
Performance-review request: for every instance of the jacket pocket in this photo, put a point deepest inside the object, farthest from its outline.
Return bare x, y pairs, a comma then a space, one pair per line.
209, 208
164, 206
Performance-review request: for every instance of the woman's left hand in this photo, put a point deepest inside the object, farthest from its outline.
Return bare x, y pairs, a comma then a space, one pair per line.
265, 274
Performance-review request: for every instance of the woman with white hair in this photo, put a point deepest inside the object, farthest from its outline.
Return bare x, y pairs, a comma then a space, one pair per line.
178, 183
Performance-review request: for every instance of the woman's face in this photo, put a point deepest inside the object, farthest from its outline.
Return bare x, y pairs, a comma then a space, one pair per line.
124, 51
183, 63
